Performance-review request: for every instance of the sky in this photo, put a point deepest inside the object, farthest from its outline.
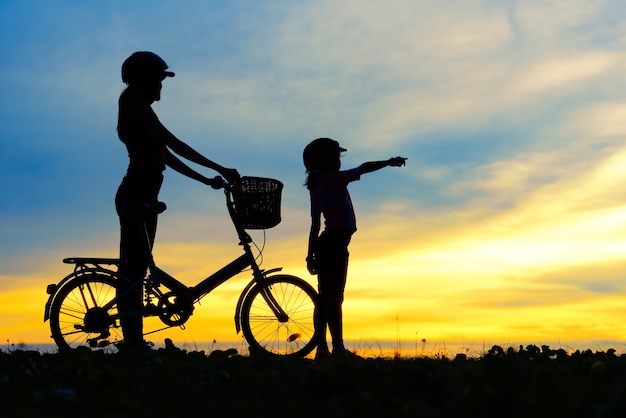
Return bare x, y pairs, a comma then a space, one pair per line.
508, 223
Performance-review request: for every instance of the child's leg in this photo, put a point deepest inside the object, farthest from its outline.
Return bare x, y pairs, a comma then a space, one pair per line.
320, 320
334, 310
334, 313
333, 266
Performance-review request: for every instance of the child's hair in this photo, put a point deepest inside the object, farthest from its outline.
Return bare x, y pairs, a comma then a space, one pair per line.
314, 157
311, 178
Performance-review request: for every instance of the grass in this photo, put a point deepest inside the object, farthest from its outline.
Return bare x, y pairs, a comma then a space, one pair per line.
523, 382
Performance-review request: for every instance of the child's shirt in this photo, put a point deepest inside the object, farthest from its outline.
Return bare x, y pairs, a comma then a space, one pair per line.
330, 197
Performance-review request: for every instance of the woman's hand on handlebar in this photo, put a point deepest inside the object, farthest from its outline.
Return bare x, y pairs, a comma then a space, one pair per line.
230, 174
216, 182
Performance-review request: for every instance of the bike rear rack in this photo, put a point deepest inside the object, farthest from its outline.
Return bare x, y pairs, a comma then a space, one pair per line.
84, 263
96, 261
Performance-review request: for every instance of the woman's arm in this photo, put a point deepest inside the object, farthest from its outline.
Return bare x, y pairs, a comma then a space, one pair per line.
185, 151
184, 169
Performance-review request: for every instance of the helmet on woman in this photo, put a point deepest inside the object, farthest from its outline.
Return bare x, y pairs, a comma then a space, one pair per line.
144, 66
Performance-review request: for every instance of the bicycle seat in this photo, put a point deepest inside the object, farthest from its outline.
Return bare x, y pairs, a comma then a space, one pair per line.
91, 260
143, 208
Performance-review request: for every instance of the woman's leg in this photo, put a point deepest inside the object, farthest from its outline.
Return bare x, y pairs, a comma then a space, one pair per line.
132, 270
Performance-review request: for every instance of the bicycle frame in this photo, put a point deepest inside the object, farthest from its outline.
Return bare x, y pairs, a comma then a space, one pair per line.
191, 294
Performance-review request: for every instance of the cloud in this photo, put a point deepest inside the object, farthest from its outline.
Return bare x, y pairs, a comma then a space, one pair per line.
558, 21
599, 122
561, 72
350, 70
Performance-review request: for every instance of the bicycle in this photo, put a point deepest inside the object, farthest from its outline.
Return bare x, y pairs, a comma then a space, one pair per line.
275, 312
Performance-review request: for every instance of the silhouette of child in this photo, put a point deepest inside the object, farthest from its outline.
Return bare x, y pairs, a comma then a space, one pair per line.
328, 252
151, 148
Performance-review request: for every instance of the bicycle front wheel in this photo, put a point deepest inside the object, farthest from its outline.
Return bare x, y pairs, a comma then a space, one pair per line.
84, 313
293, 334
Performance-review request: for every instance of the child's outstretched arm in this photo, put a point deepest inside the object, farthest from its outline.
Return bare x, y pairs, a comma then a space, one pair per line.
370, 166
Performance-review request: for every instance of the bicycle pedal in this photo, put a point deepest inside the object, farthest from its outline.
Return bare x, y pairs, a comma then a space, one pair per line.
103, 343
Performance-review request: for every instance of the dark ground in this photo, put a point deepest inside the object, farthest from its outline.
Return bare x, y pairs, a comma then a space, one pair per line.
525, 382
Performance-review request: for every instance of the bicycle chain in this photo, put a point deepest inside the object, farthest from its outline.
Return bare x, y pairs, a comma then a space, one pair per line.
163, 329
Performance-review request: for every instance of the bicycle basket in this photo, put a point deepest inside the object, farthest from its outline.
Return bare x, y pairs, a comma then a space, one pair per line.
257, 202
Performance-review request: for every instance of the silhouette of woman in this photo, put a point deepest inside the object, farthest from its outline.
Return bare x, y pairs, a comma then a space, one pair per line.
151, 148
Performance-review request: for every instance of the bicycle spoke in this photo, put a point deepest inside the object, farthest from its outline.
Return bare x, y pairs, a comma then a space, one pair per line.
78, 316
293, 335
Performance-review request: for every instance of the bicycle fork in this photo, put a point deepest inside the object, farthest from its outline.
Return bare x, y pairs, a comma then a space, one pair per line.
271, 301
259, 280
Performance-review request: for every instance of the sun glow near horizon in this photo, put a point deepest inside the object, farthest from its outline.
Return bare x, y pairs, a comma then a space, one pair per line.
522, 273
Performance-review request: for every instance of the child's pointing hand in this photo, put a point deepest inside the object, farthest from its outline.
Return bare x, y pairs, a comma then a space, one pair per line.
397, 161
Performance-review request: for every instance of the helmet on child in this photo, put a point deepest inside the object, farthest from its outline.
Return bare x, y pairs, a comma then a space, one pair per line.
318, 148
144, 66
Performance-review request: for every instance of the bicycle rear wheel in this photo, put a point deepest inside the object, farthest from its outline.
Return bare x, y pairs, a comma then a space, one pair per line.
84, 313
293, 335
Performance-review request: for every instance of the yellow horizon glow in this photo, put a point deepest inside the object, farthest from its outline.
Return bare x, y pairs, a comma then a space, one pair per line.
549, 268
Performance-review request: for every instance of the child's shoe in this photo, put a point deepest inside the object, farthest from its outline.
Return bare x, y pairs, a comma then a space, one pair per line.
322, 354
346, 354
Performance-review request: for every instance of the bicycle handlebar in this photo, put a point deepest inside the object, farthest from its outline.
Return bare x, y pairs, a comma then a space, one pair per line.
218, 182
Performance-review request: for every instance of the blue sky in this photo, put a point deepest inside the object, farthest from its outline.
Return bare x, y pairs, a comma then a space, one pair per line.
511, 114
